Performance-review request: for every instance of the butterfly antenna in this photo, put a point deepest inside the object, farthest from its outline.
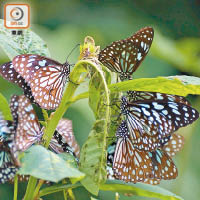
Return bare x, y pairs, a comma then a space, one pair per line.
72, 51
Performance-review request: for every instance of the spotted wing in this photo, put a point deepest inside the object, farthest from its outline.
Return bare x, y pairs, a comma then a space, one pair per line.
64, 128
152, 181
7, 164
8, 72
7, 172
125, 56
140, 96
174, 145
157, 120
5, 130
45, 76
27, 126
130, 164
163, 165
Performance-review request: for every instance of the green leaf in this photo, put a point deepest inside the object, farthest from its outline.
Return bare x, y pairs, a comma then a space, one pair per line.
5, 108
72, 163
46, 165
95, 88
139, 189
178, 85
93, 158
29, 42
93, 153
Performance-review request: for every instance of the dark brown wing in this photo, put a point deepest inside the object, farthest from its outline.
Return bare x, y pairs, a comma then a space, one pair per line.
125, 56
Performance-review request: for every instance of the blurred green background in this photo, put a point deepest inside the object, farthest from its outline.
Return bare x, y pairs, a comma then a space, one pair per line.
175, 51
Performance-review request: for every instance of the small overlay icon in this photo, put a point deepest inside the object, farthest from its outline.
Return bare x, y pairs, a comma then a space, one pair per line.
16, 16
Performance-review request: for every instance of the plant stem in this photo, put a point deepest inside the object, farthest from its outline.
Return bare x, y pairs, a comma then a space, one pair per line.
37, 189
71, 194
116, 196
57, 188
15, 187
64, 191
30, 188
65, 195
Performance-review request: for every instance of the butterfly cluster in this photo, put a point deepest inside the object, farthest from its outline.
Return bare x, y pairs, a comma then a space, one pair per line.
24, 131
146, 141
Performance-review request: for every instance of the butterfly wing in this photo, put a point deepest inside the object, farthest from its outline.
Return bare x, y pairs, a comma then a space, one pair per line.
130, 164
45, 76
140, 96
6, 127
125, 56
7, 172
174, 145
8, 72
65, 138
27, 125
151, 121
7, 167
163, 165
65, 129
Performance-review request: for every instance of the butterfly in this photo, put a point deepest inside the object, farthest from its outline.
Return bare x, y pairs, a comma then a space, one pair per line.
28, 131
42, 79
133, 165
125, 56
173, 146
65, 137
152, 117
8, 166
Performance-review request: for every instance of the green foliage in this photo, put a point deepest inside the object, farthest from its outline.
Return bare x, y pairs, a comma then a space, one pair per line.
29, 43
178, 85
4, 108
93, 153
46, 165
93, 158
139, 189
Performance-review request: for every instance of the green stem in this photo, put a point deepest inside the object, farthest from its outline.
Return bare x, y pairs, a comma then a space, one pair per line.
15, 187
71, 194
64, 195
64, 191
45, 115
30, 188
83, 95
37, 189
57, 188
116, 196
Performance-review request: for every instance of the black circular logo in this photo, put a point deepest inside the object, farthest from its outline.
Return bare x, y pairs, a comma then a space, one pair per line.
16, 14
